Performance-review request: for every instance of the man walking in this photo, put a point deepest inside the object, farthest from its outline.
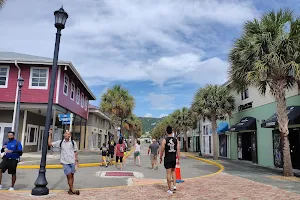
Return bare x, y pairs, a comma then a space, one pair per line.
170, 146
12, 150
111, 149
153, 149
68, 157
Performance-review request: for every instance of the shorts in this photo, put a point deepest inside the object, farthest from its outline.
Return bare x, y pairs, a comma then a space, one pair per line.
103, 158
69, 169
10, 165
170, 164
153, 157
111, 154
136, 154
117, 159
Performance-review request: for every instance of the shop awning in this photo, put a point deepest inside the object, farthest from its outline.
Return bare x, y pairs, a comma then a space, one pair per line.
293, 115
245, 124
222, 127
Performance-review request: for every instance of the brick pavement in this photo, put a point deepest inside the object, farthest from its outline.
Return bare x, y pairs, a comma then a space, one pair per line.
222, 186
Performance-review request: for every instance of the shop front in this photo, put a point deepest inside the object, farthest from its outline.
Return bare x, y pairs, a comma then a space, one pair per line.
294, 136
246, 139
223, 139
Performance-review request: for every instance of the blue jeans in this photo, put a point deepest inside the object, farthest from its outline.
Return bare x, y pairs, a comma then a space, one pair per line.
69, 169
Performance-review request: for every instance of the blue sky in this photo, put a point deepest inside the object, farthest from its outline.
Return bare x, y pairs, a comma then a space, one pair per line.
162, 51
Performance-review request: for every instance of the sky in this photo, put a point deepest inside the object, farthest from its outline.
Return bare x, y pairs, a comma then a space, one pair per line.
162, 51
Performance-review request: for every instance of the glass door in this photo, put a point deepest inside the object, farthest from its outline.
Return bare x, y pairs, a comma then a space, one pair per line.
4, 129
41, 136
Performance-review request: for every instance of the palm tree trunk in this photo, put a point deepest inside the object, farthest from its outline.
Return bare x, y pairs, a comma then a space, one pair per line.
185, 141
283, 122
215, 137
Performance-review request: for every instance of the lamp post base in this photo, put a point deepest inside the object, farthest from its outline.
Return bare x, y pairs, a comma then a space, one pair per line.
40, 191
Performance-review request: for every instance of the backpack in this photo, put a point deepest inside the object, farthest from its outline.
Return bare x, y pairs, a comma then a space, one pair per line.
121, 148
62, 142
17, 147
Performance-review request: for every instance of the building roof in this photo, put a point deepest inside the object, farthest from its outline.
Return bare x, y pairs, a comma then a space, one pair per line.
12, 57
95, 109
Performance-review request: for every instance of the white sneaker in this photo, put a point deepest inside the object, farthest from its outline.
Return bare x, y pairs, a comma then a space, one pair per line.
170, 192
174, 187
0, 187
11, 189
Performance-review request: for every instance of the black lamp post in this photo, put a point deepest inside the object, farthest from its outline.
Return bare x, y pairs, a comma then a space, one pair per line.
20, 85
41, 182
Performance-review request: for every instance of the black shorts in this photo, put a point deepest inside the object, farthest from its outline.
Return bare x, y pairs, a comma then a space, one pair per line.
111, 154
170, 164
10, 165
117, 159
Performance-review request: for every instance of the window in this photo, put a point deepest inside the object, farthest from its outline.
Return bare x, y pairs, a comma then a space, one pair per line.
245, 94
38, 78
72, 96
78, 96
66, 85
86, 103
4, 71
32, 134
82, 100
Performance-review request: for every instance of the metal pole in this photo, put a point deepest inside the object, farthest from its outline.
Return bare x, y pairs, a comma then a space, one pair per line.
41, 181
18, 113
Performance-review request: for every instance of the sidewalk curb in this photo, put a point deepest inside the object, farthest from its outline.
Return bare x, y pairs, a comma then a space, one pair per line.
60, 166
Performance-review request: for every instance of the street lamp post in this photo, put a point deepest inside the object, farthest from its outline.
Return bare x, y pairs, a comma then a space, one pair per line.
41, 182
20, 85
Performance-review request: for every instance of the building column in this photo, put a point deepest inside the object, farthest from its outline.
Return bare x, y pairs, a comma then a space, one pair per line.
24, 128
84, 135
80, 133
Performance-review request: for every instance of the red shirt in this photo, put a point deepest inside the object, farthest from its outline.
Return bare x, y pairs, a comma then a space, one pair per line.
118, 153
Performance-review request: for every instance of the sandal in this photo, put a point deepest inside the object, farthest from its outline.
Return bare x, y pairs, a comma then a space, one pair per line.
77, 192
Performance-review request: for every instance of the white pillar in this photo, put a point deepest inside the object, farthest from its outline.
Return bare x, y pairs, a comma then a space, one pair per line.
24, 127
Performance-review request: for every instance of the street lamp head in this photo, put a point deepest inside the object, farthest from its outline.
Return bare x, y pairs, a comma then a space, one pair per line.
60, 18
20, 82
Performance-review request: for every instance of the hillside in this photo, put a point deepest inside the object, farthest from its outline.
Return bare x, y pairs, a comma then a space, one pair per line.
148, 123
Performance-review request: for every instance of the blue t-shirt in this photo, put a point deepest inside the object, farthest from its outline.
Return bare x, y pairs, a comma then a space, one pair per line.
11, 145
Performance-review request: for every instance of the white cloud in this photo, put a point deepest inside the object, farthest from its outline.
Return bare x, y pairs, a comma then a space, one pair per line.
148, 115
163, 115
106, 40
161, 101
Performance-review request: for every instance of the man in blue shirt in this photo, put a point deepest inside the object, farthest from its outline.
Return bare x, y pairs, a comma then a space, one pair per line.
12, 150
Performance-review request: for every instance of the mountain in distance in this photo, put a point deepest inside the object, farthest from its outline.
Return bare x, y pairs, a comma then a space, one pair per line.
148, 123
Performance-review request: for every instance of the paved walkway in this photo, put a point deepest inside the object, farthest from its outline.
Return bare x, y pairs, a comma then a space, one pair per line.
94, 177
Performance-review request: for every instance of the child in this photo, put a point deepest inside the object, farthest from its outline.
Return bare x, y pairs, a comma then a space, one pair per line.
104, 153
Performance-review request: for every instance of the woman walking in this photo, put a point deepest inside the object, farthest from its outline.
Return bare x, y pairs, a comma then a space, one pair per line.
137, 152
120, 149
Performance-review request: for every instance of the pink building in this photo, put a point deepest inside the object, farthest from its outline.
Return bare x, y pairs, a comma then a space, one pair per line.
72, 95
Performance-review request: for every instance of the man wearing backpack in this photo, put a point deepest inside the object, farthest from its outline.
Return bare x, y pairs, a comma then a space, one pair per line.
12, 151
68, 157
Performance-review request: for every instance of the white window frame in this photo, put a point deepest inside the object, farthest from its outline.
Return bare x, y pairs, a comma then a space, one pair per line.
82, 100
66, 84
72, 91
78, 96
30, 79
36, 134
86, 103
245, 94
7, 77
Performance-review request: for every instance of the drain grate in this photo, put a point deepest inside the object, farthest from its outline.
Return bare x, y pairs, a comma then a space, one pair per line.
119, 174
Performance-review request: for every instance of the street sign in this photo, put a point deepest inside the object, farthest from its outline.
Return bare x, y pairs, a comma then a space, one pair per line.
64, 118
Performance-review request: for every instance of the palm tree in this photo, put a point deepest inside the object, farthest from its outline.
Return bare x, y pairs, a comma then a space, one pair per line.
2, 2
268, 55
134, 126
213, 102
183, 123
118, 103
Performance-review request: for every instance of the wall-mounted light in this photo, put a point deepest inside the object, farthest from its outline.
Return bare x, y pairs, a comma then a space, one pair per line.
66, 68
39, 112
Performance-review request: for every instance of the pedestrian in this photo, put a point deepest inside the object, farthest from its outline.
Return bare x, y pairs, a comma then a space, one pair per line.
120, 149
111, 149
153, 152
104, 153
170, 148
68, 157
11, 152
137, 152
